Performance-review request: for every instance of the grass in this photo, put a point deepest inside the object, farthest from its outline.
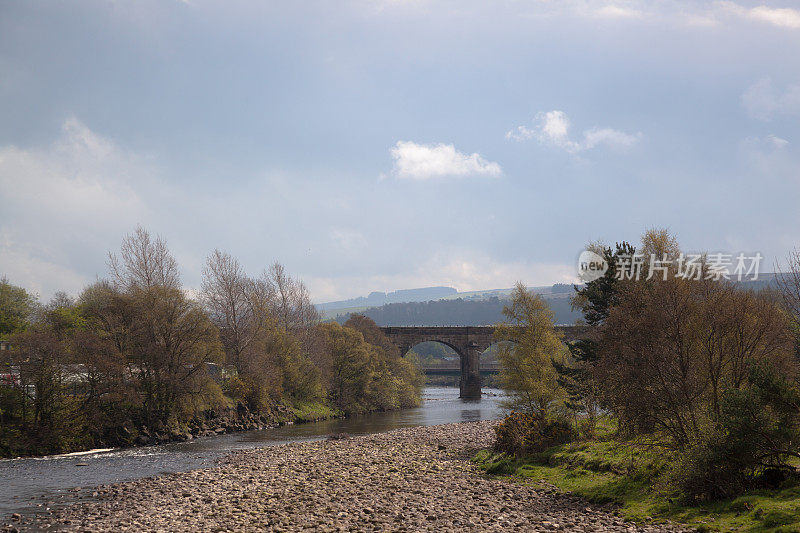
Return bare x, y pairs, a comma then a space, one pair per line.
312, 412
605, 470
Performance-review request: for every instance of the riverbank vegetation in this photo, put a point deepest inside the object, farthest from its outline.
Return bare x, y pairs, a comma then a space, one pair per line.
683, 400
137, 358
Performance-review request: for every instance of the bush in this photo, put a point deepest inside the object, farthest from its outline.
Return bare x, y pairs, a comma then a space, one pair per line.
525, 434
751, 444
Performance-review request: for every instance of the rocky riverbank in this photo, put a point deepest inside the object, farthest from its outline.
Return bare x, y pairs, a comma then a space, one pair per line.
406, 480
216, 422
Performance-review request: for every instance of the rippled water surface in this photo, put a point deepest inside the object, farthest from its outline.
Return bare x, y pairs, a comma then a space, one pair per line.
32, 484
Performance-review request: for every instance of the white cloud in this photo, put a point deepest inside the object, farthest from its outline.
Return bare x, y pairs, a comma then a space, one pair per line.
427, 161
688, 13
463, 269
699, 20
615, 11
552, 128
609, 137
777, 142
770, 143
763, 101
784, 17
59, 201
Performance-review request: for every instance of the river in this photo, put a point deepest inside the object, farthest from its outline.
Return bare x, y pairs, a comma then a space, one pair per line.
29, 485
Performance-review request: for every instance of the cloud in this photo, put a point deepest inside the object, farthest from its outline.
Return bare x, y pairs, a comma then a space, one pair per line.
614, 11
771, 143
692, 14
787, 17
552, 128
784, 17
348, 239
465, 269
426, 161
762, 101
57, 202
777, 142
769, 157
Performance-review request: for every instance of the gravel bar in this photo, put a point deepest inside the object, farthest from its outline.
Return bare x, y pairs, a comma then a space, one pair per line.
414, 479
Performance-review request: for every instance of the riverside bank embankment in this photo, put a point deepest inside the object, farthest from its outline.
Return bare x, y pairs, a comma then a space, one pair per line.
412, 479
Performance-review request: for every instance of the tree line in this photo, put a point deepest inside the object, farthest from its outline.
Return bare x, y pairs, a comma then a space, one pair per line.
457, 312
135, 352
706, 372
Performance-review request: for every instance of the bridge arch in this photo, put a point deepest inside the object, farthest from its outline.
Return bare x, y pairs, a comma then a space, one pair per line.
467, 341
450, 345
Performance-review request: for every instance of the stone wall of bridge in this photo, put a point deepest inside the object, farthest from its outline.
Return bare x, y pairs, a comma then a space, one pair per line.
467, 341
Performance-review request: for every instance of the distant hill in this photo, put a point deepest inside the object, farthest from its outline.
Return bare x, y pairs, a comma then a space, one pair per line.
456, 312
444, 306
425, 294
380, 298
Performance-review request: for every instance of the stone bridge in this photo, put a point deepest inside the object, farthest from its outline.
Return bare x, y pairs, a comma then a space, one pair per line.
467, 341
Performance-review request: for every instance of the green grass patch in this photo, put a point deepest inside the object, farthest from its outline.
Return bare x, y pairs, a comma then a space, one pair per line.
627, 474
312, 412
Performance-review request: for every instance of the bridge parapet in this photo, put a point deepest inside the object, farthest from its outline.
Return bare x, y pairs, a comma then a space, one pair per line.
467, 341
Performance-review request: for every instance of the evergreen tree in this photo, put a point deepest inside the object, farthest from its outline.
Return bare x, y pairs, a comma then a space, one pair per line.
594, 299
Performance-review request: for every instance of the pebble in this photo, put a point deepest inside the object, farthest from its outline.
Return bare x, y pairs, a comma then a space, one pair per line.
413, 479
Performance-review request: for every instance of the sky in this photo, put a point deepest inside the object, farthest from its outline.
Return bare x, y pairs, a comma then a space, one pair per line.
377, 145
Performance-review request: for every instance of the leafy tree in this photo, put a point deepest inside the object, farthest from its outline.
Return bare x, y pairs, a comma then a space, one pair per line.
352, 364
397, 382
752, 442
527, 371
167, 338
16, 308
670, 350
594, 299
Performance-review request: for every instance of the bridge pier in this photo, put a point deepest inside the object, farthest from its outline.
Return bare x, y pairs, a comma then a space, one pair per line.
467, 341
470, 384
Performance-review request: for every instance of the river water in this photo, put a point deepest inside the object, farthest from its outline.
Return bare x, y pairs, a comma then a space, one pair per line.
33, 484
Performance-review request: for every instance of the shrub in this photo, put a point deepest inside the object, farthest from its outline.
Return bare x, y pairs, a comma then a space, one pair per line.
525, 434
751, 444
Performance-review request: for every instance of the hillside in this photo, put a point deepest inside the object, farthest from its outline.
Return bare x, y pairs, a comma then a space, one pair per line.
455, 312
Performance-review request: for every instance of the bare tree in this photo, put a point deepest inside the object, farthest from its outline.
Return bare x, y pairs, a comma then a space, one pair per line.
233, 301
144, 263
167, 337
292, 301
789, 286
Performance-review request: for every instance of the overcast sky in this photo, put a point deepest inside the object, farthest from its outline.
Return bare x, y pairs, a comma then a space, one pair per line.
381, 145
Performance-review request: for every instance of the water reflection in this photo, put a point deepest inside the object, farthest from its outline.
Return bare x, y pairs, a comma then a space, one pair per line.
29, 482
470, 415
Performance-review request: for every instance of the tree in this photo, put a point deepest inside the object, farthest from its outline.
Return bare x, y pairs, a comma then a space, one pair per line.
352, 361
595, 299
397, 382
789, 288
373, 334
166, 337
293, 305
659, 242
228, 295
16, 308
41, 356
143, 263
669, 350
527, 370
